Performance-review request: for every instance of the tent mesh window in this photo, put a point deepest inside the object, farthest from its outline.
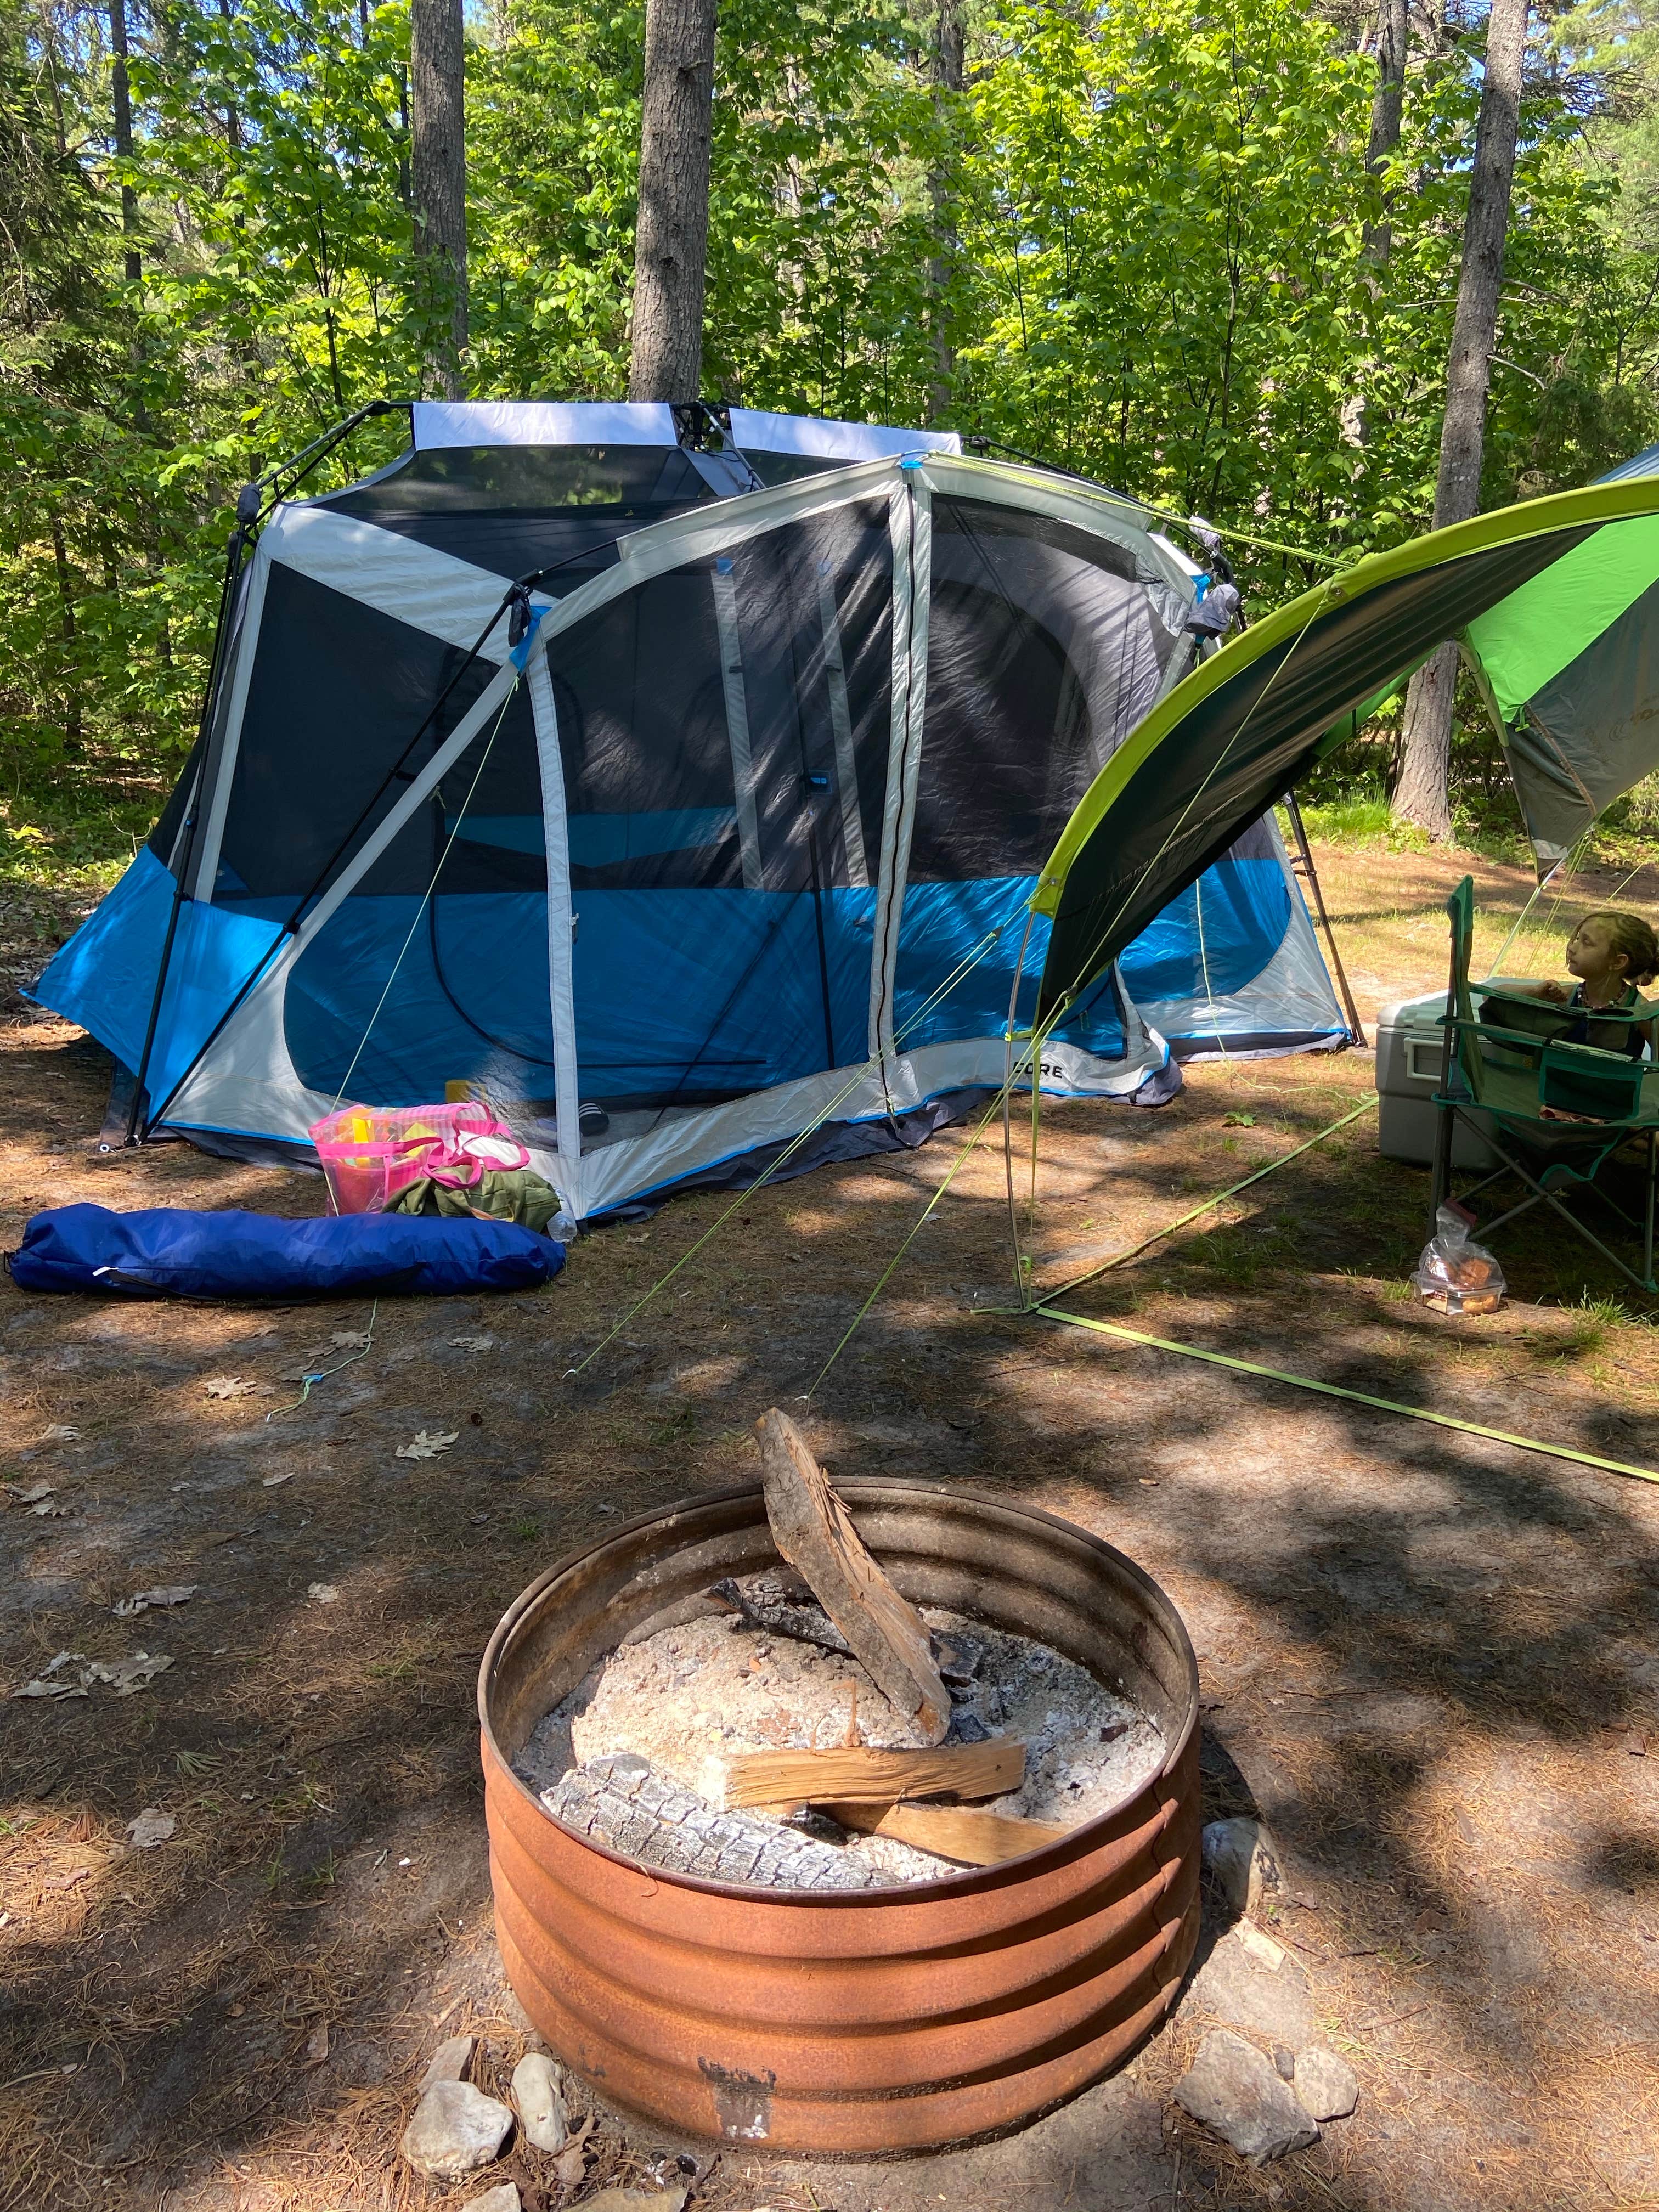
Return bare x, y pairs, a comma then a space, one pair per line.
468, 996
1045, 646
516, 509
724, 734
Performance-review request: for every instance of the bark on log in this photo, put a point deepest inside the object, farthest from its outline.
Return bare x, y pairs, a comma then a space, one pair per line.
437, 75
862, 1776
671, 241
813, 1531
963, 1832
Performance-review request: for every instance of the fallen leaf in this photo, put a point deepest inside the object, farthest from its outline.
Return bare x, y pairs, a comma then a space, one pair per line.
151, 1826
169, 1594
350, 1339
236, 1385
572, 2160
126, 1675
51, 1509
428, 1443
324, 1593
33, 1495
310, 1372
72, 1879
1238, 1121
473, 1343
60, 1433
271, 1481
317, 2044
40, 1688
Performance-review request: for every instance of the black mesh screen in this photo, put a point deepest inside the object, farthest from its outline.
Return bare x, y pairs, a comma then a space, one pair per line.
518, 509
165, 836
338, 692
1044, 649
783, 646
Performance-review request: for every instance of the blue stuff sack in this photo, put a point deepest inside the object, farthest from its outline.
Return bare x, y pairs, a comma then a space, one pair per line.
170, 1252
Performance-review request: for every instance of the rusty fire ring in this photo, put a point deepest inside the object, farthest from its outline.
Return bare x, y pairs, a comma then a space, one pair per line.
856, 2023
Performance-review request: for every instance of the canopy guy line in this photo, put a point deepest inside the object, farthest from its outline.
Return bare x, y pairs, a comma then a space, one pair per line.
1123, 1259
1042, 1031
964, 967
1336, 1390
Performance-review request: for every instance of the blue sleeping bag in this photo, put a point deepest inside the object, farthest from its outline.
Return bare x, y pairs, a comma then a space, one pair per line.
170, 1252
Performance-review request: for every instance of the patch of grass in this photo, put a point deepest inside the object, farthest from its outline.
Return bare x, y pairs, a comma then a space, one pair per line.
1357, 819
321, 1876
1608, 1312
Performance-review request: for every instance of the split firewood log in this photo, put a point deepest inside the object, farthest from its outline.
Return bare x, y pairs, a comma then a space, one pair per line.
964, 1832
814, 1532
861, 1775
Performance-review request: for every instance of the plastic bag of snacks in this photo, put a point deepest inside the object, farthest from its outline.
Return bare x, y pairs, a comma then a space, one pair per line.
1456, 1275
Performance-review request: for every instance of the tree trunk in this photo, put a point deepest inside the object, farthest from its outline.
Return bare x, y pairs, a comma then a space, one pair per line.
948, 77
72, 723
121, 101
232, 120
671, 242
1421, 795
1388, 108
437, 74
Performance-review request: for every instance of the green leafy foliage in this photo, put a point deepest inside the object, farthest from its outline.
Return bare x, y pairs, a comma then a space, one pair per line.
1134, 245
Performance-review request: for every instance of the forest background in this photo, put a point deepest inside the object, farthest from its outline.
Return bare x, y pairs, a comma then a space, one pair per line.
1149, 241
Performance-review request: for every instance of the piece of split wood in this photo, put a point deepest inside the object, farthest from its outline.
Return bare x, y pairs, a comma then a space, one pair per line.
862, 1776
813, 1530
963, 1832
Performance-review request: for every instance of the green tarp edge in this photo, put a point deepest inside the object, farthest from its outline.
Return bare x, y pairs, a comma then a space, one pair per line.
1593, 505
1542, 628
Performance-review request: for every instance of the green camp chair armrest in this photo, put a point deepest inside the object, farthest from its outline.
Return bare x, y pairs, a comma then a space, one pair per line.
1530, 1038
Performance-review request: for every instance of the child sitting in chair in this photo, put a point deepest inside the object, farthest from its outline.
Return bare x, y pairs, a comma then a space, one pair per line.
1610, 952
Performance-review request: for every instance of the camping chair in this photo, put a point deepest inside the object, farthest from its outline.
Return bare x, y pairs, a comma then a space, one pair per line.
1498, 1079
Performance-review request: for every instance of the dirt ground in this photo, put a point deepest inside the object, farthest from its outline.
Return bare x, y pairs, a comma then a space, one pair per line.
1428, 1660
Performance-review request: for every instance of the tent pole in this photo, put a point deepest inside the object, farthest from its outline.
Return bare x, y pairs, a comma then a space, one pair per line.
247, 507
250, 502
1306, 869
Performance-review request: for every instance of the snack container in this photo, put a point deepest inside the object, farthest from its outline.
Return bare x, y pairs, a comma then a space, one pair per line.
1455, 1274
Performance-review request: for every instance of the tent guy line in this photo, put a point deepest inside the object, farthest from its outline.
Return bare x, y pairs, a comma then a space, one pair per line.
963, 968
1335, 1390
1121, 1259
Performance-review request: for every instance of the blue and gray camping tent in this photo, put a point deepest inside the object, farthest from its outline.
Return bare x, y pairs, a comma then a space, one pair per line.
682, 779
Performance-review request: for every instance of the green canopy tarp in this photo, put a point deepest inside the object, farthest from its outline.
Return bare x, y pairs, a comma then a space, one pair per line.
1568, 670
1231, 738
